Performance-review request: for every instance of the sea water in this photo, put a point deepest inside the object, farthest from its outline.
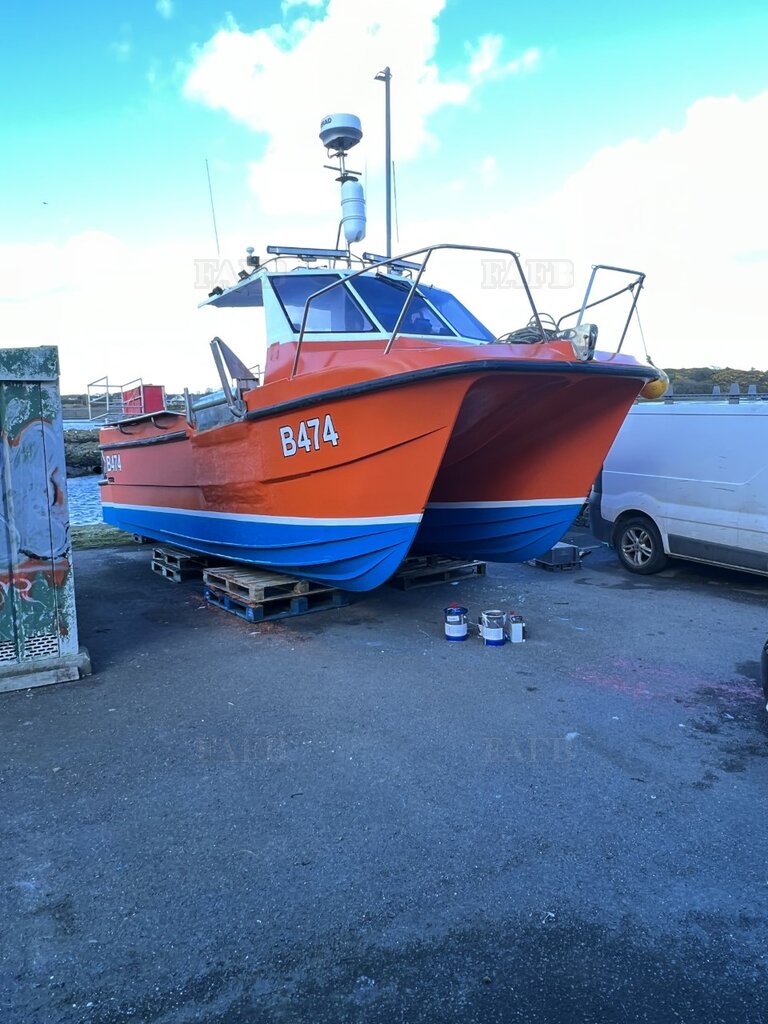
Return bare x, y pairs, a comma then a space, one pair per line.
84, 503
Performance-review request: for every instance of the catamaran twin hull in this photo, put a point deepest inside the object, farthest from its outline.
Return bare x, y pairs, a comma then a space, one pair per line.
486, 457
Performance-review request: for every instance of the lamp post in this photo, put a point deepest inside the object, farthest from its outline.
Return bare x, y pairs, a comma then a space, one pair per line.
385, 76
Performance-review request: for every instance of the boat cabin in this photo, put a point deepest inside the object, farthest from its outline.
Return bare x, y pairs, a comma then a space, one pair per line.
366, 307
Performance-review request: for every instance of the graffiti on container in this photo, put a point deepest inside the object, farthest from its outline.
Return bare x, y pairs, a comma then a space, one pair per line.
34, 523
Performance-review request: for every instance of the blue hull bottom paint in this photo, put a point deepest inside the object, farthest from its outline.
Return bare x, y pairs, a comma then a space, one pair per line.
354, 555
495, 531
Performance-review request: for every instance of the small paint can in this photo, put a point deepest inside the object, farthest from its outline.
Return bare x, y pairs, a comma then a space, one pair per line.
455, 622
492, 628
515, 628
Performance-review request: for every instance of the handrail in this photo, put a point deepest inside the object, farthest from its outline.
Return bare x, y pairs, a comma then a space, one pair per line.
635, 292
95, 398
414, 285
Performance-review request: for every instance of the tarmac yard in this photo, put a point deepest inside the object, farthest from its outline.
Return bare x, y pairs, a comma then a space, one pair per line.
342, 817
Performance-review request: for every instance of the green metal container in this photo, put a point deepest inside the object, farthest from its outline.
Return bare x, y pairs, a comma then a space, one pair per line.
38, 625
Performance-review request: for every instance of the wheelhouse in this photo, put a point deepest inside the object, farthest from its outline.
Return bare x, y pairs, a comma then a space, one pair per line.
366, 306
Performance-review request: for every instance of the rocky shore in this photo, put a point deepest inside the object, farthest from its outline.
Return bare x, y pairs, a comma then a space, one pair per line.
81, 449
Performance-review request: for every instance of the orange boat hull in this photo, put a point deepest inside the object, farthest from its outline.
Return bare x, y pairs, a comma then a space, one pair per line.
334, 492
520, 464
336, 473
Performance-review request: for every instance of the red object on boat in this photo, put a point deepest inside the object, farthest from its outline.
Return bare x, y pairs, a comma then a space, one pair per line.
143, 398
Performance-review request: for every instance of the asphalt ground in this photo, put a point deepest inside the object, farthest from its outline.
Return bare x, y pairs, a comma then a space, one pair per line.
342, 817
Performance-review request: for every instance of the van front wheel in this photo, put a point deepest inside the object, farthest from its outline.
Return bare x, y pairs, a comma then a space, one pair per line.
638, 545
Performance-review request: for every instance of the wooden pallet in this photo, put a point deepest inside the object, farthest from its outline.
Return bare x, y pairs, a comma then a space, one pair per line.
425, 570
280, 606
253, 586
176, 565
170, 572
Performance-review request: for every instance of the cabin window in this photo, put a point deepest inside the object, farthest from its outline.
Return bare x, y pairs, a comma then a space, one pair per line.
385, 298
457, 314
335, 312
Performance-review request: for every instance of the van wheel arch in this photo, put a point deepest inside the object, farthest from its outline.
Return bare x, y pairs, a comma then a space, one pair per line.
638, 544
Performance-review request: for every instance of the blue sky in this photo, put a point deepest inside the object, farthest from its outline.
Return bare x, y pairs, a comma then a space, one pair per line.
114, 108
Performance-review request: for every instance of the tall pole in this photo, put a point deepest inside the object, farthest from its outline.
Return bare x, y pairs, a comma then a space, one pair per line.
213, 211
385, 76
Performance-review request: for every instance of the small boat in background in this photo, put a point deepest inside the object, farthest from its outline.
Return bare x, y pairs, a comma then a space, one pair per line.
389, 419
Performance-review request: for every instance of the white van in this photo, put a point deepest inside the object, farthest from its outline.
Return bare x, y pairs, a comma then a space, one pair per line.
687, 479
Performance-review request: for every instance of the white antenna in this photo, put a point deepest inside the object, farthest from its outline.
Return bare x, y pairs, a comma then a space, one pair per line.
339, 133
213, 211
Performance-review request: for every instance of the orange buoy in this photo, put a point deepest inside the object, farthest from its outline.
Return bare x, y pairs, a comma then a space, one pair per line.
656, 388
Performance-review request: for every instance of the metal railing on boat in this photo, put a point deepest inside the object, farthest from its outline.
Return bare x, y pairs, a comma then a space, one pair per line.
426, 252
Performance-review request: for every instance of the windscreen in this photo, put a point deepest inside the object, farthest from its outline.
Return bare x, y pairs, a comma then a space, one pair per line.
385, 299
336, 311
442, 314
457, 314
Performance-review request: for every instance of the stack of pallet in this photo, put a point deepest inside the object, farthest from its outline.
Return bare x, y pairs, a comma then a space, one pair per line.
258, 596
176, 565
423, 570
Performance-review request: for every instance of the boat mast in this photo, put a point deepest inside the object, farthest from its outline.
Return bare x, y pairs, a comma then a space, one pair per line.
385, 76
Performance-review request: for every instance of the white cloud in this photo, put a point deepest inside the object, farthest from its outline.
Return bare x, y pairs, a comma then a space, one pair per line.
165, 9
527, 61
122, 49
280, 80
687, 207
484, 57
485, 62
287, 4
118, 310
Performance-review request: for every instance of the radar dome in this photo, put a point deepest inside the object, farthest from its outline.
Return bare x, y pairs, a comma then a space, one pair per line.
340, 131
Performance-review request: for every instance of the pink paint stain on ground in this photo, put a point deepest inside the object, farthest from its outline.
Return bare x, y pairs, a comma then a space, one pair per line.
664, 683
